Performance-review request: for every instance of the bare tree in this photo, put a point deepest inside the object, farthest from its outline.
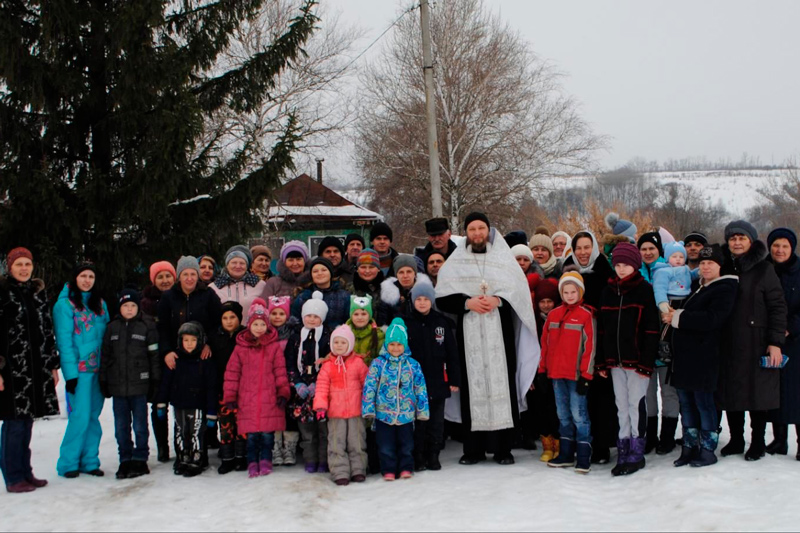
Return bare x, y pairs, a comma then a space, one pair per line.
503, 119
781, 204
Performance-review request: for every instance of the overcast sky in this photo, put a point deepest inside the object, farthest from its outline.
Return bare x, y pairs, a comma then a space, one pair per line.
662, 79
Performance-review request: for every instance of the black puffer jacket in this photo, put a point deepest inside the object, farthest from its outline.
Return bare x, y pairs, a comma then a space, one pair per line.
27, 351
130, 359
628, 325
696, 334
433, 344
193, 383
175, 309
758, 320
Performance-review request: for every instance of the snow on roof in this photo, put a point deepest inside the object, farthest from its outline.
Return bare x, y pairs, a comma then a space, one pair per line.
278, 212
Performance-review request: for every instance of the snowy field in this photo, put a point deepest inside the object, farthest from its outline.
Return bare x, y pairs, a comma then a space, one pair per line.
733, 495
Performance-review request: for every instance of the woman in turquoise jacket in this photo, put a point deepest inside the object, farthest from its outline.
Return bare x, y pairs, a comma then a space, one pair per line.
80, 317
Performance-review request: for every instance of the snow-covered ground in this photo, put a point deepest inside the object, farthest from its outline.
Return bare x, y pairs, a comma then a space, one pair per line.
732, 495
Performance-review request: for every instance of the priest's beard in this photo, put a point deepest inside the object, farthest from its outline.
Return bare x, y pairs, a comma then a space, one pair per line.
477, 248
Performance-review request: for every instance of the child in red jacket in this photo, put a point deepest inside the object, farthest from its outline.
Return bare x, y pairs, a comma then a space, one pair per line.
339, 385
568, 351
256, 385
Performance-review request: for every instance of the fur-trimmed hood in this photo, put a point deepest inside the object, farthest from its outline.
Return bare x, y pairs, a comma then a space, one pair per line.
390, 288
612, 240
738, 265
36, 284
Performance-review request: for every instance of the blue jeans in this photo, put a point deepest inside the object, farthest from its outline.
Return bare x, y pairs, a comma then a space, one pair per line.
126, 410
259, 446
15, 450
573, 411
395, 447
698, 410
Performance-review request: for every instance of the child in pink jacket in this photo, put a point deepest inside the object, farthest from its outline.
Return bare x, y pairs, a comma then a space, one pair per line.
256, 385
339, 386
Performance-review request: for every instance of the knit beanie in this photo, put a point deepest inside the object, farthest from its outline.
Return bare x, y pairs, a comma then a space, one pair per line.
782, 233
354, 237
315, 306
472, 217
741, 227
696, 236
18, 253
423, 288
368, 256
260, 249
574, 278
296, 247
321, 261
628, 254
620, 226
129, 296
712, 252
258, 311
187, 262
234, 307
344, 332
404, 260
513, 238
521, 250
652, 237
161, 266
380, 229
546, 289
397, 332
674, 247
329, 241
540, 239
361, 302
279, 302
240, 251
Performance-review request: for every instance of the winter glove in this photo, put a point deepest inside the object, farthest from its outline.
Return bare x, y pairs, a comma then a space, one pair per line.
302, 390
104, 389
71, 385
312, 389
322, 415
281, 402
231, 406
161, 413
582, 387
152, 390
211, 424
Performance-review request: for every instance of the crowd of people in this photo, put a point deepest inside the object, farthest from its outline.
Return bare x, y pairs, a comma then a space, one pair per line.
366, 360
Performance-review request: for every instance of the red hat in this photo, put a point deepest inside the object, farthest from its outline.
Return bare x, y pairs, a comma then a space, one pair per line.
258, 311
547, 289
161, 266
18, 253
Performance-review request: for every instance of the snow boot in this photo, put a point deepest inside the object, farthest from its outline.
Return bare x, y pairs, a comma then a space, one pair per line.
635, 460
779, 444
290, 440
691, 447
252, 470
758, 426
667, 441
343, 482
433, 461
708, 443
323, 468
137, 469
277, 449
124, 470
584, 463
468, 459
505, 458
548, 449
20, 487
623, 450
227, 456
161, 433
240, 455
311, 468
36, 482
264, 467
652, 434
566, 456
419, 463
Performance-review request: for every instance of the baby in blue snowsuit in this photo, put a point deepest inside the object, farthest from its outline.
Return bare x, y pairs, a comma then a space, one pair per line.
672, 280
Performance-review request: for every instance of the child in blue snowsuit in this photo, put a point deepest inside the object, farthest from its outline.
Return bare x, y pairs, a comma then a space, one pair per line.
395, 395
672, 280
80, 317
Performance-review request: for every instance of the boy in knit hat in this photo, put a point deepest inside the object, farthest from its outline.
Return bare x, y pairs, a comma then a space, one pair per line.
130, 370
628, 327
432, 342
338, 400
568, 357
395, 396
304, 353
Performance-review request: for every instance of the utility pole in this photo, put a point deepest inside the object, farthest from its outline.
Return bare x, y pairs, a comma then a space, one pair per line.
430, 108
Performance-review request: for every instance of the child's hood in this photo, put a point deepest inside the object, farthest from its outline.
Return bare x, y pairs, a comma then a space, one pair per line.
248, 340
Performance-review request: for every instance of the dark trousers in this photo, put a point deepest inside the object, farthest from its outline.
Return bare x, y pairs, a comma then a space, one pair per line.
603, 413
131, 410
395, 447
160, 429
259, 446
429, 434
758, 424
15, 451
543, 409
373, 462
190, 430
698, 410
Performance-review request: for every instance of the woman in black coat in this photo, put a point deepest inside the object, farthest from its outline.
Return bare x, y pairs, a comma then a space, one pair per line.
782, 244
28, 368
757, 328
698, 327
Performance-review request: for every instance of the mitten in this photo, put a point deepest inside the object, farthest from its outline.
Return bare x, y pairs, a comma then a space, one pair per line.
231, 406
104, 389
152, 390
322, 415
302, 390
71, 385
582, 387
212, 424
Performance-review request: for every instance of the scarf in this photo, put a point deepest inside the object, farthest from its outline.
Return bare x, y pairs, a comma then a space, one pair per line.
224, 279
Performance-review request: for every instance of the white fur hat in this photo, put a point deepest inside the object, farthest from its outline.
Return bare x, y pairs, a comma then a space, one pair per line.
315, 306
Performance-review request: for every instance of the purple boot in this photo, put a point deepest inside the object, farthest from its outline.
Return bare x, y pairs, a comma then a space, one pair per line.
265, 467
311, 468
252, 470
636, 457
323, 468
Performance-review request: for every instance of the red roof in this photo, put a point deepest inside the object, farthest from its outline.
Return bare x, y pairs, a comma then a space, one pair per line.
306, 191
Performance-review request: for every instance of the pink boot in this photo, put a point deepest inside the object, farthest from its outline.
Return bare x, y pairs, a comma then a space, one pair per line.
265, 467
252, 470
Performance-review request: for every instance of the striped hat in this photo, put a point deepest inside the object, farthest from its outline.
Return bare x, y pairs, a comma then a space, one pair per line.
574, 278
368, 256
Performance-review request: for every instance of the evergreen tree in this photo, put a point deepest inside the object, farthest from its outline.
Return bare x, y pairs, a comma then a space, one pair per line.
104, 145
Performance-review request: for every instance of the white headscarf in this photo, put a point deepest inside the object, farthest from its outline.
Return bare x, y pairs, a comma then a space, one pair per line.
592, 258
